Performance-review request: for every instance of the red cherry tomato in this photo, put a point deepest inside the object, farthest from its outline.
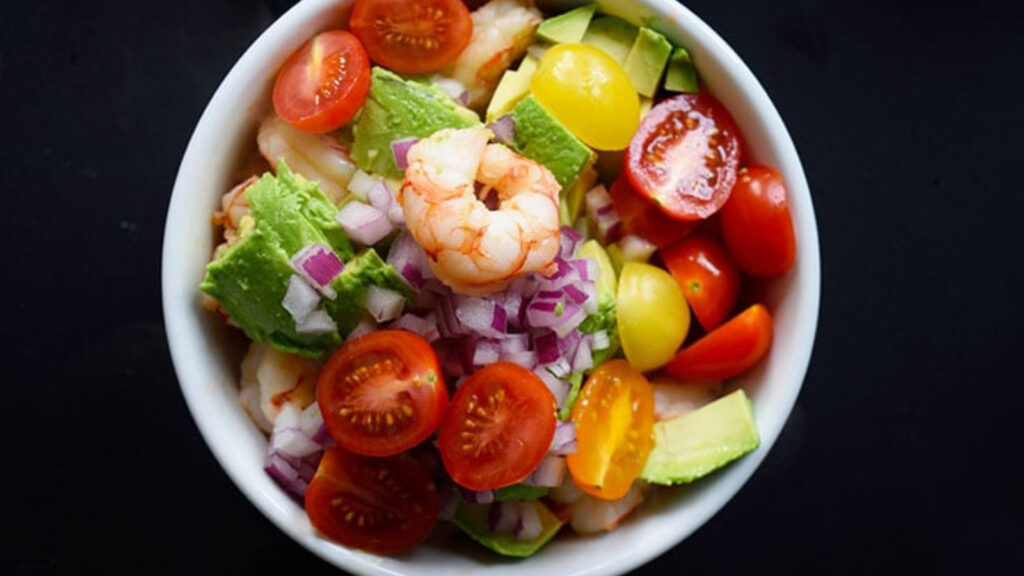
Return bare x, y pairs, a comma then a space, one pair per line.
382, 393
412, 36
726, 351
324, 83
380, 505
757, 225
498, 428
684, 156
706, 273
641, 217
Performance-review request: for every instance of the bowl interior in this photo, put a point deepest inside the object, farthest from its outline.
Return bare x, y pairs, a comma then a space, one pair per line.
206, 354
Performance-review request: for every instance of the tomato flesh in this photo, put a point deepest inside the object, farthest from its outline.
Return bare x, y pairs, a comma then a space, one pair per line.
614, 418
412, 36
382, 393
706, 273
726, 351
380, 505
642, 217
324, 83
684, 156
757, 225
498, 428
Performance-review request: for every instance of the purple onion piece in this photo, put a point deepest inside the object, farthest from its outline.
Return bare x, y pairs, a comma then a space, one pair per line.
400, 151
319, 265
476, 496
364, 223
504, 129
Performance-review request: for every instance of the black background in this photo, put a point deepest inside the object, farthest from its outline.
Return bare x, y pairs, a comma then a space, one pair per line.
899, 457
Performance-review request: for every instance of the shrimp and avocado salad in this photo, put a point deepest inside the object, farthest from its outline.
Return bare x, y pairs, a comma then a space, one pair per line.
468, 266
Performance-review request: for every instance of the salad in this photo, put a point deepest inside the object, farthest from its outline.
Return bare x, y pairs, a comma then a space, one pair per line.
495, 269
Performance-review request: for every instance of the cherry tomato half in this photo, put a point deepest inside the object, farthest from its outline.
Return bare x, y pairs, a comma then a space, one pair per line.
381, 505
726, 351
382, 393
641, 217
757, 225
706, 273
684, 156
412, 36
324, 83
498, 428
614, 418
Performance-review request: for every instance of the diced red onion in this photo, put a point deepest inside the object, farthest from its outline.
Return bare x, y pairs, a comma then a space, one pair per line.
503, 517
452, 87
300, 299
383, 304
520, 520
512, 343
526, 286
361, 183
319, 265
323, 437
316, 323
529, 525
597, 200
396, 215
559, 388
564, 440
425, 326
408, 258
364, 223
545, 343
400, 150
549, 473
560, 368
636, 249
512, 302
448, 323
487, 352
482, 316
570, 239
381, 197
582, 360
586, 268
601, 212
476, 496
364, 327
599, 340
526, 359
504, 129
575, 294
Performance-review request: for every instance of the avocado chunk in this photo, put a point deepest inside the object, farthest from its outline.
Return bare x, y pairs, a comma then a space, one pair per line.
567, 28
250, 281
513, 86
540, 137
681, 75
613, 35
474, 520
365, 270
520, 492
646, 61
696, 444
397, 109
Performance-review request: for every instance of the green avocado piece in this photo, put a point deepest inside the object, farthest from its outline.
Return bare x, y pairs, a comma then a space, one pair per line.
646, 61
607, 287
513, 86
542, 138
520, 492
474, 520
681, 75
613, 35
296, 212
696, 444
365, 270
396, 109
568, 27
249, 281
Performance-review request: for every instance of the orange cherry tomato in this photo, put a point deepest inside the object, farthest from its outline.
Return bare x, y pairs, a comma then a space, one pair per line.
499, 427
757, 225
381, 505
324, 83
382, 393
412, 36
706, 273
726, 351
614, 418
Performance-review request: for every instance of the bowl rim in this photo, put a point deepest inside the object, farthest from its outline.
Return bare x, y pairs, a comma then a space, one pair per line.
179, 328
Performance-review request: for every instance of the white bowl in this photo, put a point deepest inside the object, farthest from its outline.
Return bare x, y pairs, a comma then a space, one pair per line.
206, 353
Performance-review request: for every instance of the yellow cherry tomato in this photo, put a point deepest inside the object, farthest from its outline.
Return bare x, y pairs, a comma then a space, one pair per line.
589, 93
614, 419
653, 318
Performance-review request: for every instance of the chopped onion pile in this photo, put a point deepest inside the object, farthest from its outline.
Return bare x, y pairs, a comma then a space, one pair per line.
296, 446
602, 214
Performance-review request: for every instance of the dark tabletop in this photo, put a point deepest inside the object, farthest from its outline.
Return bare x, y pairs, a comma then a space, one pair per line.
900, 455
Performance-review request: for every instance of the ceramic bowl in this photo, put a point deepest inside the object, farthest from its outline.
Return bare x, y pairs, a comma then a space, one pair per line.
206, 353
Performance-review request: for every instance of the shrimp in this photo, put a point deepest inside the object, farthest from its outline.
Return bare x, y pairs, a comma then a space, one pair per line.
502, 30
271, 380
317, 157
470, 247
591, 514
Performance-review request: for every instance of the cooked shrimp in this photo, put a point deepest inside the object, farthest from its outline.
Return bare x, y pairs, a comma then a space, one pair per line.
234, 207
590, 514
317, 157
502, 30
470, 247
271, 380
